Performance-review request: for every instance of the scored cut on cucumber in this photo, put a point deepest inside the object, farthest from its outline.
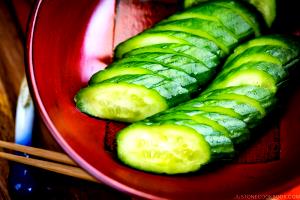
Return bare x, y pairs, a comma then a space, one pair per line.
234, 103
145, 40
267, 8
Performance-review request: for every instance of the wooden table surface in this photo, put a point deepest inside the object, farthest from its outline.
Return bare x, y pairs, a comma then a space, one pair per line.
13, 17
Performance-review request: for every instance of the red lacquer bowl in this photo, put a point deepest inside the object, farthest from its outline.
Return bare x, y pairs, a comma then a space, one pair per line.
69, 40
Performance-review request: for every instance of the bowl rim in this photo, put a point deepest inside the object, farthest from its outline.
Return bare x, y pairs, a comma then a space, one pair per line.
30, 75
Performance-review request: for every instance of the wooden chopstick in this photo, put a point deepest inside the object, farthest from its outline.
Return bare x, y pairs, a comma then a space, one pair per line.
65, 166
49, 155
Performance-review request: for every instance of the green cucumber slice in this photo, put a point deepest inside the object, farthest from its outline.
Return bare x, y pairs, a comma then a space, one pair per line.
238, 131
131, 68
248, 15
264, 96
185, 64
245, 77
166, 148
267, 8
203, 28
130, 102
145, 39
264, 53
170, 90
261, 41
210, 11
275, 70
202, 55
249, 114
221, 147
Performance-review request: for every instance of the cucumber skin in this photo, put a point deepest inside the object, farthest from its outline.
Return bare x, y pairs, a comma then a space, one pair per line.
265, 97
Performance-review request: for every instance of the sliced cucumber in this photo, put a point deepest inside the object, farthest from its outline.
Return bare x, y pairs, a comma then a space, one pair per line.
203, 28
275, 70
261, 41
174, 58
131, 68
236, 101
116, 71
170, 90
181, 63
274, 54
221, 146
230, 19
238, 131
267, 8
130, 102
263, 95
248, 15
145, 40
245, 77
192, 39
202, 55
197, 118
166, 148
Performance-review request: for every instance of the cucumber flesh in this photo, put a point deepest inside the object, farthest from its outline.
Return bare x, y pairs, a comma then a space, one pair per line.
181, 63
131, 102
167, 148
267, 8
197, 118
221, 146
172, 91
249, 16
261, 53
246, 77
248, 113
264, 96
141, 68
275, 70
210, 30
235, 102
145, 40
227, 17
202, 55
271, 41
113, 72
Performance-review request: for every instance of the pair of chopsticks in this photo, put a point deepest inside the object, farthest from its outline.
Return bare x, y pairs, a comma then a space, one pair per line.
53, 161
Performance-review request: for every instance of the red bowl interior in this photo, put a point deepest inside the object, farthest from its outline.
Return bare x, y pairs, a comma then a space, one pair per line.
69, 40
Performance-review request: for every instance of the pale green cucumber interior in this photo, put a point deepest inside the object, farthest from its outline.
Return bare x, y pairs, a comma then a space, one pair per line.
197, 32
246, 77
256, 42
242, 98
120, 101
116, 71
188, 15
267, 8
166, 148
145, 40
251, 58
204, 120
221, 110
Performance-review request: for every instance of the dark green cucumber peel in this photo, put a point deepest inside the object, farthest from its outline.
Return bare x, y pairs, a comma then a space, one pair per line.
230, 19
184, 54
230, 110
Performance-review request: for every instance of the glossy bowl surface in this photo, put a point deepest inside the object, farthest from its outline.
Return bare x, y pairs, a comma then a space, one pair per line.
69, 40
